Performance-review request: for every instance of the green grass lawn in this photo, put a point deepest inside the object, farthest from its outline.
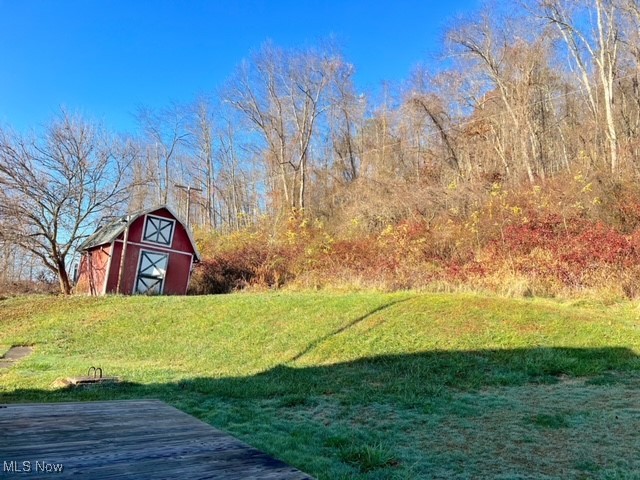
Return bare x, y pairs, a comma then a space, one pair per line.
361, 385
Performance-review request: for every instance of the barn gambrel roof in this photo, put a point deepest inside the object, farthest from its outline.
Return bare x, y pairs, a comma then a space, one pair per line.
109, 232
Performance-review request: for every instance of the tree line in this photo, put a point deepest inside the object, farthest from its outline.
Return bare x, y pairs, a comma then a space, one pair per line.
521, 94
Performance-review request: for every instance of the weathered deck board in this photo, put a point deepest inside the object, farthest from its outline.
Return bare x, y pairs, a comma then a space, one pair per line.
142, 439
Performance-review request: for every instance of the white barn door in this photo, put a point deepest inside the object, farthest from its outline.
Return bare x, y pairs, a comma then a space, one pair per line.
151, 272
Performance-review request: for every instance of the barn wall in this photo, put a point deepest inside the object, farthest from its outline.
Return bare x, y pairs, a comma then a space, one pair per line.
180, 240
93, 271
112, 279
178, 267
108, 257
176, 280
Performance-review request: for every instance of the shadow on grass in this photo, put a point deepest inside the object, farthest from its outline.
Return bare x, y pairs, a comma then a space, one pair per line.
344, 328
408, 380
349, 420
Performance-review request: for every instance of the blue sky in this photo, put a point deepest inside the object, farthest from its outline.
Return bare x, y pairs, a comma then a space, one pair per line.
105, 58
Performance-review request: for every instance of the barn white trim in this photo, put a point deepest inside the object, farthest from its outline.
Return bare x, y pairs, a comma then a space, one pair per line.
149, 246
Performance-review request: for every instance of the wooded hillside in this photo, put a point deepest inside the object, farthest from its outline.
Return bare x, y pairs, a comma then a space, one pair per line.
508, 163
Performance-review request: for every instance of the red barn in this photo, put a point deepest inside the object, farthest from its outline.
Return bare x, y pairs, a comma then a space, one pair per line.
159, 253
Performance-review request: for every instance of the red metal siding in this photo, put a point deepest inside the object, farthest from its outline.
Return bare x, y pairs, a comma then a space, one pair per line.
93, 271
112, 279
178, 267
177, 276
180, 239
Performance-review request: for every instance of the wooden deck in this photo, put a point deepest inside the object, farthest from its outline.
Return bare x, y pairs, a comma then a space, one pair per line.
144, 439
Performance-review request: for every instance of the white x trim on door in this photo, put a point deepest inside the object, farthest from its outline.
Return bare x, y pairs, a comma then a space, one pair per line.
152, 271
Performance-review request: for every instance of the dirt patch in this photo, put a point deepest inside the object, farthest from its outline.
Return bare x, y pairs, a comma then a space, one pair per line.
14, 354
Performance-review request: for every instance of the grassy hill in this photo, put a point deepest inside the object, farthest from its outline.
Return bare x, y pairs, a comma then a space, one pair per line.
361, 385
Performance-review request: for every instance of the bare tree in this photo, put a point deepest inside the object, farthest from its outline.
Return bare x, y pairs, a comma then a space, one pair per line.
594, 51
209, 130
282, 94
487, 46
166, 131
432, 106
144, 173
347, 116
53, 189
203, 135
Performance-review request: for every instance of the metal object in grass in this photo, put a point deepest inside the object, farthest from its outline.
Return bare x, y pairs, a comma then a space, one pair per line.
94, 376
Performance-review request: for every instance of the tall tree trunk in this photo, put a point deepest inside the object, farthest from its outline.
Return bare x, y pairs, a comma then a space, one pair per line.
63, 277
303, 174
